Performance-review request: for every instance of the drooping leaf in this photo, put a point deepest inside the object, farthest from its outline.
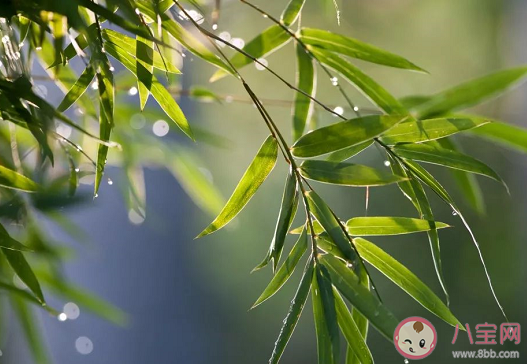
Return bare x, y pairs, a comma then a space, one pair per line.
348, 284
354, 48
7, 242
23, 270
267, 42
417, 131
505, 134
388, 225
144, 52
252, 179
331, 225
293, 315
158, 91
325, 314
373, 91
285, 271
445, 157
405, 279
78, 88
291, 12
305, 81
347, 153
343, 134
16, 181
351, 332
359, 319
471, 92
347, 174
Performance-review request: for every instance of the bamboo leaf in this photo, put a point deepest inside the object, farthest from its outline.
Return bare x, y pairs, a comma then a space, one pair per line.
267, 42
430, 181
505, 134
16, 181
346, 174
371, 89
23, 270
325, 318
405, 279
354, 48
78, 88
358, 318
293, 315
343, 134
471, 92
291, 12
351, 332
7, 242
447, 158
347, 153
381, 225
305, 81
158, 91
144, 52
417, 131
252, 179
348, 284
285, 271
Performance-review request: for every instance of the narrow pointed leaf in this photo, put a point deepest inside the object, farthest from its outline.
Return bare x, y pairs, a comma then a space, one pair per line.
16, 181
417, 131
269, 41
144, 51
325, 318
471, 92
430, 181
158, 91
445, 157
354, 48
343, 134
293, 315
348, 284
253, 178
7, 242
380, 225
405, 279
505, 134
359, 319
351, 332
373, 91
23, 271
305, 81
347, 153
346, 174
78, 88
285, 271
291, 12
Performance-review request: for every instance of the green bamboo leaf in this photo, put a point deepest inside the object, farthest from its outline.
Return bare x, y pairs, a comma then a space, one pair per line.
106, 123
291, 12
354, 48
329, 222
293, 315
501, 133
358, 318
184, 37
371, 89
269, 41
78, 88
351, 332
16, 181
144, 51
23, 270
28, 322
405, 279
325, 314
417, 131
347, 153
7, 242
158, 91
471, 92
447, 158
346, 174
252, 179
388, 225
305, 81
430, 181
25, 295
286, 270
348, 284
144, 56
343, 134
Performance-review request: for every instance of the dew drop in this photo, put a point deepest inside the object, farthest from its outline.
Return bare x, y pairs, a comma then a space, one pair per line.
387, 163
261, 64
62, 317
334, 81
339, 110
454, 212
355, 108
214, 26
110, 182
132, 91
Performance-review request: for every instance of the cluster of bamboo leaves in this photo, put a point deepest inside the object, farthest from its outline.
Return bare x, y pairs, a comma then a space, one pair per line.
39, 170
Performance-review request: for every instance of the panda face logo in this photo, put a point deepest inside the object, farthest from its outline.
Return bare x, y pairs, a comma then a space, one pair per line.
415, 338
